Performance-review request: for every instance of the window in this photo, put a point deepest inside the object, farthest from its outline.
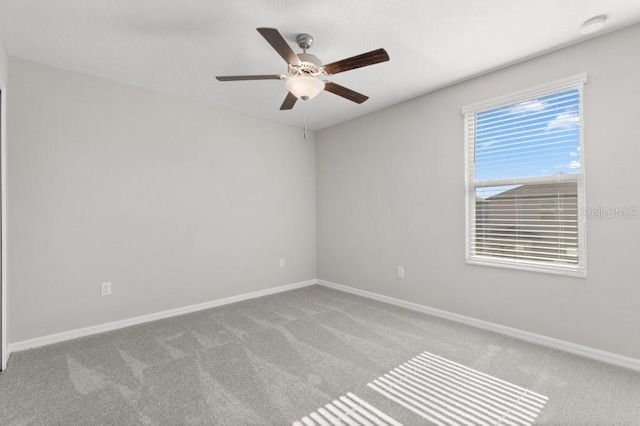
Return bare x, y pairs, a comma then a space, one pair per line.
525, 180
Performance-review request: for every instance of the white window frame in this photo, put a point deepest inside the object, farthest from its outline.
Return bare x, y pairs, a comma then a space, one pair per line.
470, 112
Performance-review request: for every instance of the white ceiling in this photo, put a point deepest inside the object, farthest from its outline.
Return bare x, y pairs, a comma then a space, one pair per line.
178, 46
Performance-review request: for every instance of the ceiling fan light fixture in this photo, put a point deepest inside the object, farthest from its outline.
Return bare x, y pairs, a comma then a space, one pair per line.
304, 86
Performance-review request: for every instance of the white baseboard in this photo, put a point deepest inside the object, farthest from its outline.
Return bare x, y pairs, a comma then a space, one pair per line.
596, 354
101, 328
585, 351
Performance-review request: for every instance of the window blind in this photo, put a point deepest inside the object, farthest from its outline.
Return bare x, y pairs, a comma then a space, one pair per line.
525, 180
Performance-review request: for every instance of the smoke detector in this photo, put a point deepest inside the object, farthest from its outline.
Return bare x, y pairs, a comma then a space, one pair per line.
594, 24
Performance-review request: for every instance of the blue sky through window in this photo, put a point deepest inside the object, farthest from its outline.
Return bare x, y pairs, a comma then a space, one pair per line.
537, 137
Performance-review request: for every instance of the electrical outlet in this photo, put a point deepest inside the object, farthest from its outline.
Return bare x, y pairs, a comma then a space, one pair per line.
400, 272
282, 262
105, 289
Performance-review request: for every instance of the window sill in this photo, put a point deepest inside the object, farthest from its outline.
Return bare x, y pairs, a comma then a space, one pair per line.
529, 266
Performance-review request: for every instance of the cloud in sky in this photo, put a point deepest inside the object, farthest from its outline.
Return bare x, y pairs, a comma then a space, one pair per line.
575, 164
566, 121
573, 154
528, 106
487, 144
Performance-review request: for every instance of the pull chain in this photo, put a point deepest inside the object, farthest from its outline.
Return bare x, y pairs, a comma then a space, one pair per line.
305, 119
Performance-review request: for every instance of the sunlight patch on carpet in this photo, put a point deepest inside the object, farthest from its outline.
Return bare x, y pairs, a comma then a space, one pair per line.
447, 393
347, 410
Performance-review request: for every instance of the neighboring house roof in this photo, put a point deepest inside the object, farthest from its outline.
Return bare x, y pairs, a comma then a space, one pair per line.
537, 190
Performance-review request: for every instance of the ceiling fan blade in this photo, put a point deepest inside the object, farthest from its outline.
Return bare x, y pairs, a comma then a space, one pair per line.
352, 95
366, 59
289, 102
281, 46
249, 77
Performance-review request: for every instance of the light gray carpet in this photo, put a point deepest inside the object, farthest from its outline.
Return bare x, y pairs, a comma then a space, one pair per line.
277, 359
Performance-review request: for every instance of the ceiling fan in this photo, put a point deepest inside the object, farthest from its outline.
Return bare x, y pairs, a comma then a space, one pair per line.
306, 71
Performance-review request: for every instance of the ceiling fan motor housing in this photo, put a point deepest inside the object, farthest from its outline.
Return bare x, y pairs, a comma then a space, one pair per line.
309, 64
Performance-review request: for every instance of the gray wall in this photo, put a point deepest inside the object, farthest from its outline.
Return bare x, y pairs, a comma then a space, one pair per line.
391, 193
175, 202
4, 62
3, 78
